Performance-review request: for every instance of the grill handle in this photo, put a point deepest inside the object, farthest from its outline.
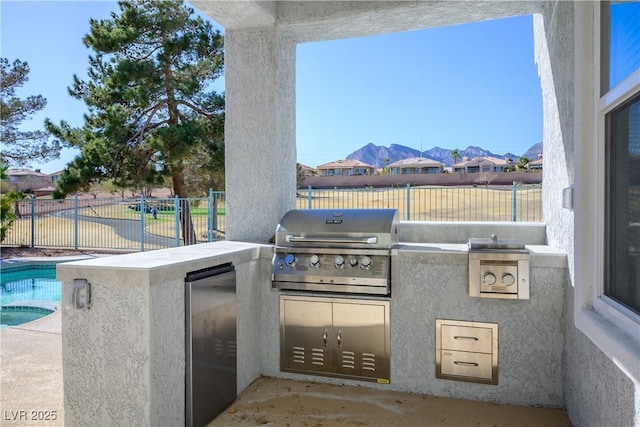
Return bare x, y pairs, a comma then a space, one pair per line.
300, 239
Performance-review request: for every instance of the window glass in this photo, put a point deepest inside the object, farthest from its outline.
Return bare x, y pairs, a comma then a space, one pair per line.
622, 281
624, 40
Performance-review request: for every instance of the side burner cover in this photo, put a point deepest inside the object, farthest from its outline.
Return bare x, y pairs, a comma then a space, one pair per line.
494, 244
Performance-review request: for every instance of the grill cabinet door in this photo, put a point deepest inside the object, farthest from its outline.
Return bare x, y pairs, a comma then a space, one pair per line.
305, 331
361, 340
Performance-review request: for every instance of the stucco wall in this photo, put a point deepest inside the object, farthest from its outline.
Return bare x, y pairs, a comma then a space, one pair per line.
260, 151
596, 391
428, 287
108, 355
553, 35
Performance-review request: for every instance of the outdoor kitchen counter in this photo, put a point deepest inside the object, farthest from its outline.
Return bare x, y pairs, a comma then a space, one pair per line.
458, 253
167, 260
430, 282
124, 356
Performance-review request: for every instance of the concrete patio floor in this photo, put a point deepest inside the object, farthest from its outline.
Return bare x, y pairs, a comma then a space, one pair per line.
31, 390
278, 402
31, 386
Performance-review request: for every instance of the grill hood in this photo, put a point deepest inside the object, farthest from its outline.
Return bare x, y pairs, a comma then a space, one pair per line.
338, 228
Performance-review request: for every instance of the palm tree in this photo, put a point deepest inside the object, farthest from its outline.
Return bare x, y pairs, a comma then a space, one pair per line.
456, 155
522, 163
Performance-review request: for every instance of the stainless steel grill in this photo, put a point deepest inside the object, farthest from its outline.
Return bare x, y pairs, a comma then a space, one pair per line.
341, 251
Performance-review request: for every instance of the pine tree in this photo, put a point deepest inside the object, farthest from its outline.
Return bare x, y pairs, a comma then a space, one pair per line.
20, 147
151, 110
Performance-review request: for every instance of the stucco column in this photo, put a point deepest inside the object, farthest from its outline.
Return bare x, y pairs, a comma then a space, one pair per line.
259, 131
554, 55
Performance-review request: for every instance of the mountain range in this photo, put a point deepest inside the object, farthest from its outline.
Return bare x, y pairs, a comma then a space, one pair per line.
376, 155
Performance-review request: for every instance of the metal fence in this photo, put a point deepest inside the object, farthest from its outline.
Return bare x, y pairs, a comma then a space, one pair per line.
141, 224
135, 224
517, 202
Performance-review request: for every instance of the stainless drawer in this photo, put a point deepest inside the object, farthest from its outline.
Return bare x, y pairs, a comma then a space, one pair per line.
467, 351
466, 364
465, 338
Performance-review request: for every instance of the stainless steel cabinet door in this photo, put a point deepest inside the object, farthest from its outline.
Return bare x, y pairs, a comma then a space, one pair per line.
337, 337
305, 333
361, 339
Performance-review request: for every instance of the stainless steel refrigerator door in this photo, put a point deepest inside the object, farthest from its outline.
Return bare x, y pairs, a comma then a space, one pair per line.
211, 363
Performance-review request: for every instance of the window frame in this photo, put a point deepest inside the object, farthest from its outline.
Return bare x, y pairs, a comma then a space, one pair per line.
609, 100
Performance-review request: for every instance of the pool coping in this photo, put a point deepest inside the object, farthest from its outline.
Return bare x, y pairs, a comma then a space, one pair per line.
45, 305
11, 262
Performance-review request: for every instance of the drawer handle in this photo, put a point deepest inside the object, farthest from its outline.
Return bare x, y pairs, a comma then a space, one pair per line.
455, 362
324, 337
460, 337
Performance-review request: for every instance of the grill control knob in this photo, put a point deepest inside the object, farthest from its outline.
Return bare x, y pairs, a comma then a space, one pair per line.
314, 261
508, 279
489, 278
353, 261
339, 261
290, 260
365, 263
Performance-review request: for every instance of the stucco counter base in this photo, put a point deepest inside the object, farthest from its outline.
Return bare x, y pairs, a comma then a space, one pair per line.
124, 357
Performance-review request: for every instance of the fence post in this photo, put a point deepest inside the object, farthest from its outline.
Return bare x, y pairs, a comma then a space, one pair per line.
217, 195
210, 216
408, 202
143, 210
75, 222
176, 217
33, 222
514, 205
309, 197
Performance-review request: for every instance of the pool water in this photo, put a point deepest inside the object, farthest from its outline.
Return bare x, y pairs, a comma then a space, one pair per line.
22, 287
13, 316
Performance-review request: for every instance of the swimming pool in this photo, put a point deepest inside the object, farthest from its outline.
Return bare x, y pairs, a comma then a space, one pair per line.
28, 292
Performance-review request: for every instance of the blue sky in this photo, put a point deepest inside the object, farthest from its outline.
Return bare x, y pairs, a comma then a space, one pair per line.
474, 84
451, 87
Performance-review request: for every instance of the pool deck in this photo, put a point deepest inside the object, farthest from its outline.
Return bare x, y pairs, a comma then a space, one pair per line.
31, 382
31, 373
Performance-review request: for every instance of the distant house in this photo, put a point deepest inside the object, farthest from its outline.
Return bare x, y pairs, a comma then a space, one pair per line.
535, 165
55, 176
345, 168
30, 181
483, 164
415, 165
